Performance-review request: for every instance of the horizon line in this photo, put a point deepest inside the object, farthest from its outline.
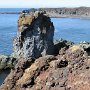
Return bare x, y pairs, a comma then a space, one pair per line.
49, 7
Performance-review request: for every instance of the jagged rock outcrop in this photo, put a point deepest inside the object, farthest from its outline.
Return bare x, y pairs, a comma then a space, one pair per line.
35, 35
66, 71
60, 44
78, 78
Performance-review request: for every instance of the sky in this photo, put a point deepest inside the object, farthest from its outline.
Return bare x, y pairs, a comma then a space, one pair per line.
43, 3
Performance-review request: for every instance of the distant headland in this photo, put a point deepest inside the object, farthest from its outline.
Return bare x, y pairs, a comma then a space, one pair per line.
80, 12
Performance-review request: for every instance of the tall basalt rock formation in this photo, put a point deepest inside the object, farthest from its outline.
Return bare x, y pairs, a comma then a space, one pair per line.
35, 35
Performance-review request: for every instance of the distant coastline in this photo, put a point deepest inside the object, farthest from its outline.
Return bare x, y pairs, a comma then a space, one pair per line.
10, 12
55, 15
80, 12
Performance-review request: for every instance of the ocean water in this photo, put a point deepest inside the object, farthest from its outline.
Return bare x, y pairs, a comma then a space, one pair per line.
12, 9
3, 75
72, 29
8, 29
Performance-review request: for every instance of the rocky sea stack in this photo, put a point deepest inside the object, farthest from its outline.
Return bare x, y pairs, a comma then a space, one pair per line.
43, 64
35, 35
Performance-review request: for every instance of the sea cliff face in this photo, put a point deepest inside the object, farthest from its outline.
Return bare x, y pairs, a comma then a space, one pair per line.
43, 64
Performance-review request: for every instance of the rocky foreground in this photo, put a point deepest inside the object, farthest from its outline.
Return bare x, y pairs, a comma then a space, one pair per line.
42, 64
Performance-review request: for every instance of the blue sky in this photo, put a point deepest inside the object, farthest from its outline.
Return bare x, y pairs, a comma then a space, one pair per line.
43, 3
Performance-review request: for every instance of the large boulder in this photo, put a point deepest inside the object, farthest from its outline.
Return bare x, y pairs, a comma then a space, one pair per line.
59, 44
85, 46
35, 35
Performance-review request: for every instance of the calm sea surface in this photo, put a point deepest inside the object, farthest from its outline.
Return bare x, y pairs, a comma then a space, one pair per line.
8, 28
72, 29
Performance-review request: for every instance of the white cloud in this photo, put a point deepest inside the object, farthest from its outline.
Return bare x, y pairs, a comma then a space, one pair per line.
44, 3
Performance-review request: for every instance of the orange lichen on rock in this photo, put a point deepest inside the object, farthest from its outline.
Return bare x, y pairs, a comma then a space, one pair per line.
24, 20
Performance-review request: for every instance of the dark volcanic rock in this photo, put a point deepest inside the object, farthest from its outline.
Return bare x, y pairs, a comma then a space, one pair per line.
60, 44
35, 35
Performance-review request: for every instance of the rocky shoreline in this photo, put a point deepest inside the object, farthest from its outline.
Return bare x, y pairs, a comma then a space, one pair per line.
8, 62
39, 63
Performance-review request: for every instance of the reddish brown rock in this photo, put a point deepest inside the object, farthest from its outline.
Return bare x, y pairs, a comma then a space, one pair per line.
67, 71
